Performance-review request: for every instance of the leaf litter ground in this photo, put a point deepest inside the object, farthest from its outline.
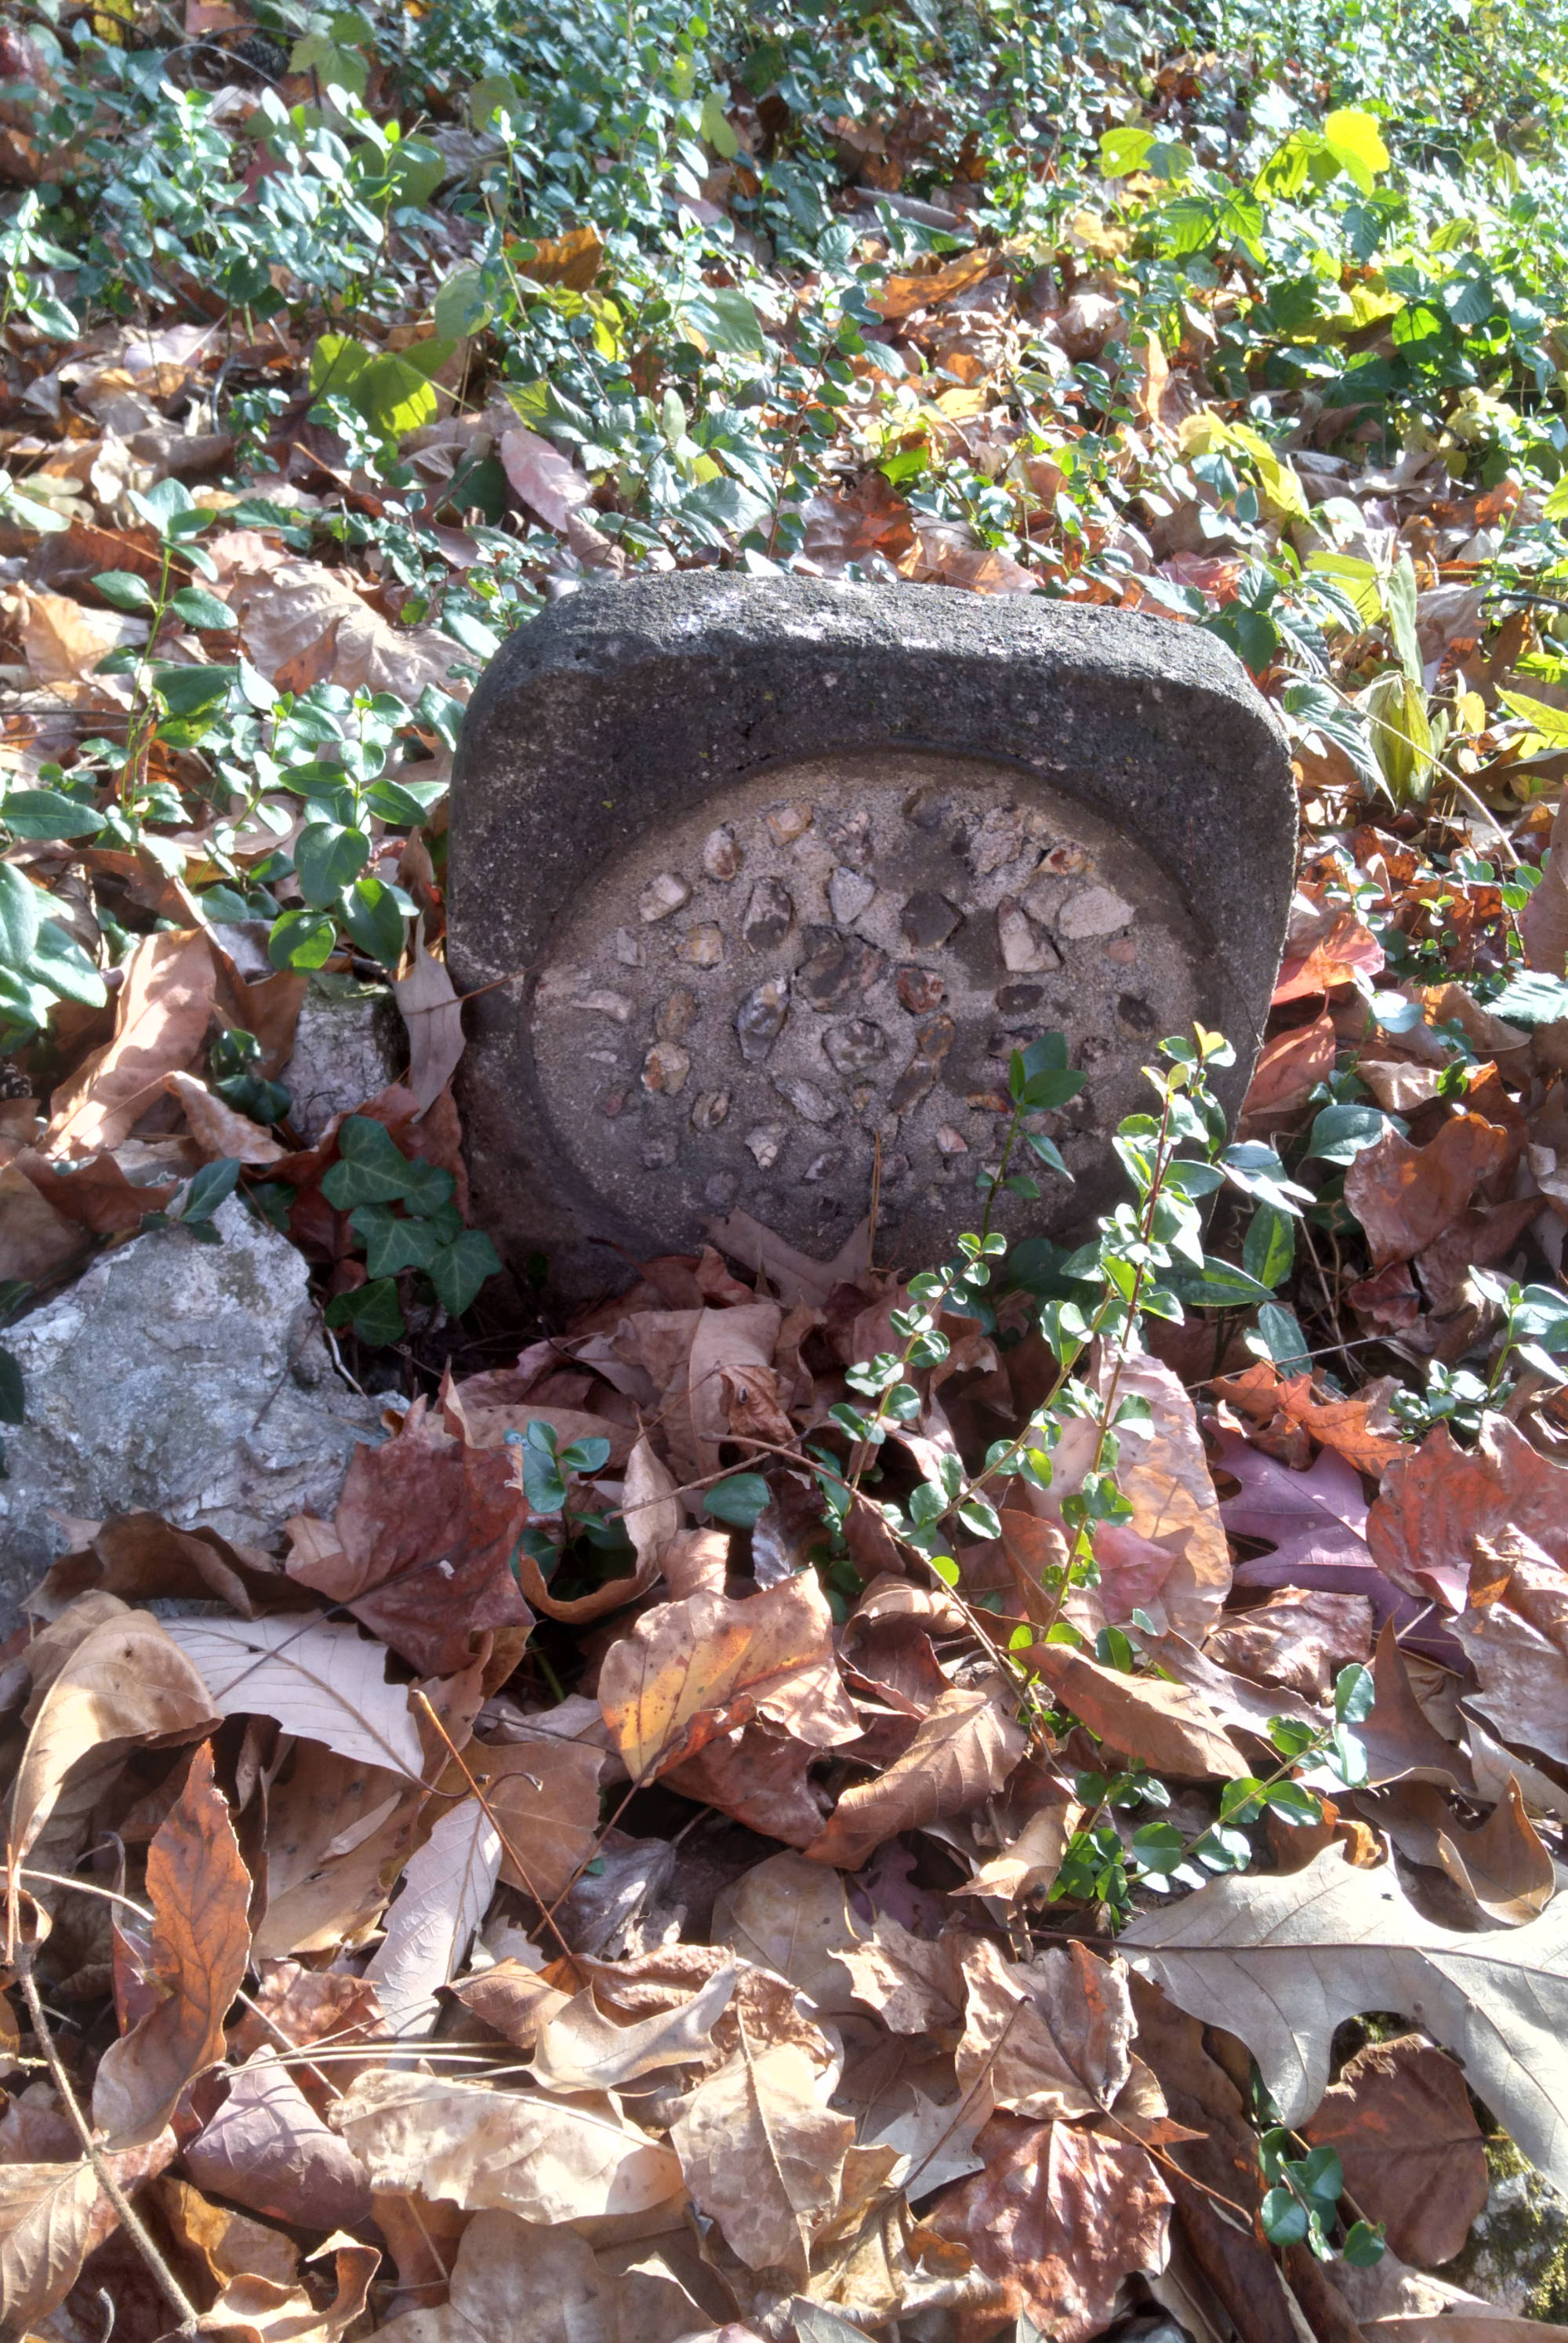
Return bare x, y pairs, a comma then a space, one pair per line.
697, 1933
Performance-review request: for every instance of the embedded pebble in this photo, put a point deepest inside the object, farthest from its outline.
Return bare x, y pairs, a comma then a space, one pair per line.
661, 896
1017, 1000
849, 892
766, 1143
933, 1039
611, 1103
659, 1150
951, 1142
760, 1020
1042, 896
1123, 951
721, 1190
701, 946
665, 1069
1135, 1013
788, 822
855, 1046
920, 990
1024, 946
1066, 860
929, 919
849, 835
768, 915
836, 966
605, 1004
627, 947
807, 1099
825, 1166
677, 1015
721, 857
1097, 911
710, 1110
998, 839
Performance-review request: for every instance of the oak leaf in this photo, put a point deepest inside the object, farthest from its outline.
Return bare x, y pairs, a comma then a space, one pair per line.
1282, 1960
1434, 1503
200, 1893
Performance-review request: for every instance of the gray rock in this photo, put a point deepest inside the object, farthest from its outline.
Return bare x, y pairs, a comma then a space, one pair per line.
611, 740
345, 1052
181, 1379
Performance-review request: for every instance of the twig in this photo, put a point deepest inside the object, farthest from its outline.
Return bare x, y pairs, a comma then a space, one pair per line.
134, 2227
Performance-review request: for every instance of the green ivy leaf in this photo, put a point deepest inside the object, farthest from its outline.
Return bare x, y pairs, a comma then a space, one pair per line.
739, 1501
197, 607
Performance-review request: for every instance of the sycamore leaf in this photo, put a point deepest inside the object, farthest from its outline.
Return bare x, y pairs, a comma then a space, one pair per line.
318, 1677
1282, 1960
447, 1891
200, 1893
512, 2151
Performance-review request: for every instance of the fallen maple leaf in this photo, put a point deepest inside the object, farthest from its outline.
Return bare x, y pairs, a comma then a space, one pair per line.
962, 1752
1401, 2122
686, 1672
1059, 2217
1406, 1196
200, 1893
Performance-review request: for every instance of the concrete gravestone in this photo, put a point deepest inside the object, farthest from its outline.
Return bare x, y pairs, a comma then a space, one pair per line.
765, 878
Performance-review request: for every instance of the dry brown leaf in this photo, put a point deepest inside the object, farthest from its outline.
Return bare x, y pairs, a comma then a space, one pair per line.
651, 1510
303, 617
419, 1501
226, 2244
758, 1775
548, 483
1514, 1632
446, 1893
788, 1915
266, 2148
339, 1834
914, 1985
1050, 2039
1031, 1860
518, 2284
52, 2216
901, 297
762, 2156
1300, 1640
161, 1015
571, 258
216, 1128
1059, 2217
125, 1682
512, 1998
686, 1672
432, 1017
318, 1678
1167, 1726
259, 2311
1406, 1196
1401, 2121
1435, 1504
511, 2151
36, 1240
544, 1795
961, 1752
1505, 1866
1543, 922
200, 1893
579, 2049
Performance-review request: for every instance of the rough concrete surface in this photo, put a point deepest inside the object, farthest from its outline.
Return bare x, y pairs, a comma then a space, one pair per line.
185, 1378
345, 1052
761, 873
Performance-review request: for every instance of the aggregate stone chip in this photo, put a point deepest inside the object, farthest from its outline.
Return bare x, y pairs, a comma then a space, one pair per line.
765, 881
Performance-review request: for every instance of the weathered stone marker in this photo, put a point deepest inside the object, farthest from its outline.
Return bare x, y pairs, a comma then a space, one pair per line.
758, 872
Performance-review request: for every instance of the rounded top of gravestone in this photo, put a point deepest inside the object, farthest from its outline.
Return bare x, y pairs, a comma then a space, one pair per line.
764, 878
